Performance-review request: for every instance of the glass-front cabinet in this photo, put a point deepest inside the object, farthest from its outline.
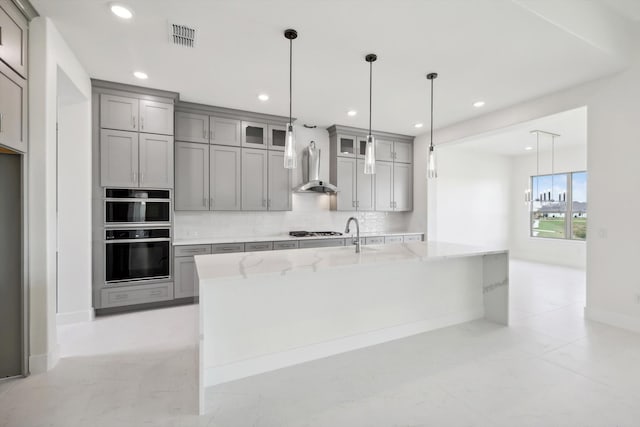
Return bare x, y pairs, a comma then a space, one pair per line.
277, 137
347, 146
254, 135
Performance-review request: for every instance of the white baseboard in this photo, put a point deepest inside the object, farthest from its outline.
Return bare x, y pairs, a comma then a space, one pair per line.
41, 363
75, 317
270, 362
614, 319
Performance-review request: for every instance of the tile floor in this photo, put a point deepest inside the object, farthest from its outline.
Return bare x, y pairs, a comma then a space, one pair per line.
549, 368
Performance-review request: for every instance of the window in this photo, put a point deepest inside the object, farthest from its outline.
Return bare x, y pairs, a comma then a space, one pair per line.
559, 206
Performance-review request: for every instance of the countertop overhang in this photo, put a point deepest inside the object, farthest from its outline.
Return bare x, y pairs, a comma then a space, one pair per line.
278, 238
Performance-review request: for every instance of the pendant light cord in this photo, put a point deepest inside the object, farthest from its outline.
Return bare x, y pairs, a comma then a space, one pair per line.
370, 92
431, 130
290, 78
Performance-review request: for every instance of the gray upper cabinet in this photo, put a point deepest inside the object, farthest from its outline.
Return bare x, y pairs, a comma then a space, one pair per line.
365, 188
361, 147
254, 180
384, 150
118, 158
118, 112
347, 145
192, 127
225, 178
345, 180
13, 110
225, 131
277, 137
156, 117
192, 176
384, 186
156, 161
279, 183
402, 187
403, 152
13, 38
254, 135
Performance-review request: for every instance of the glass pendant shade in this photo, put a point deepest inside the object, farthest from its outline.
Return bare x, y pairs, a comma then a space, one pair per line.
370, 156
290, 149
432, 172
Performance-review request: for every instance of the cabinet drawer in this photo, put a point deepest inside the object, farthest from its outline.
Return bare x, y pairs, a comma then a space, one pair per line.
258, 246
192, 250
393, 239
13, 44
413, 238
224, 248
320, 243
379, 240
285, 245
138, 294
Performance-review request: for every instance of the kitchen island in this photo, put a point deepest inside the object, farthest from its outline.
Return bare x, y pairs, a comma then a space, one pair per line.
263, 311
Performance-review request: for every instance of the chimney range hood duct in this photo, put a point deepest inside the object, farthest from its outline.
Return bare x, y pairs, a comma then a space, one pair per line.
311, 173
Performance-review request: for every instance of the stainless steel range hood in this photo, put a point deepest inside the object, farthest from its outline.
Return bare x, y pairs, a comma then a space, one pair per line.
313, 183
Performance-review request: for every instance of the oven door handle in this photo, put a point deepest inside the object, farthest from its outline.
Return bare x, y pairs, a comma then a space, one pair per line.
159, 239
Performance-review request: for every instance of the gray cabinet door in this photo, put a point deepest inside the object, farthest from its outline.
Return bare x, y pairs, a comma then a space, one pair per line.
118, 158
254, 135
384, 150
156, 161
279, 183
347, 145
184, 271
118, 112
384, 186
277, 137
13, 110
346, 183
13, 38
364, 188
254, 180
192, 127
403, 152
402, 187
225, 131
224, 172
191, 176
156, 117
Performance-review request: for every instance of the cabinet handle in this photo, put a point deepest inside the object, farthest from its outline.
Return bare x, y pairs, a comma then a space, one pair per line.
1, 121
141, 177
133, 121
142, 123
264, 203
156, 293
268, 203
210, 135
135, 177
204, 133
353, 203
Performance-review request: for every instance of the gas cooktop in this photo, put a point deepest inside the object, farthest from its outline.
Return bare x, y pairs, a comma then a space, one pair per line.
314, 233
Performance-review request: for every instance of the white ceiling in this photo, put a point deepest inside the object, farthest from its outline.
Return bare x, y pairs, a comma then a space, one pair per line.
499, 51
570, 125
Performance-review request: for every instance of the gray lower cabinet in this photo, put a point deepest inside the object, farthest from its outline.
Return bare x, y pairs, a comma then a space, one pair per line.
118, 158
402, 187
279, 183
156, 117
384, 186
225, 178
13, 37
254, 180
227, 248
378, 240
258, 246
192, 176
13, 109
136, 294
285, 245
320, 243
156, 161
393, 239
224, 131
412, 238
192, 127
184, 269
118, 112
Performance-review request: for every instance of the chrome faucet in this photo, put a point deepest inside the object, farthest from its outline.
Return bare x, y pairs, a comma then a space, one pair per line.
356, 241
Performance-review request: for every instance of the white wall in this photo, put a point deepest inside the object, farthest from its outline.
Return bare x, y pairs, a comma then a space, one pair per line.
473, 197
572, 253
613, 150
48, 53
310, 211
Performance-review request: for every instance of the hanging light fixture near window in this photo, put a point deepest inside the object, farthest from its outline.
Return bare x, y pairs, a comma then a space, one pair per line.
290, 157
370, 148
548, 195
432, 172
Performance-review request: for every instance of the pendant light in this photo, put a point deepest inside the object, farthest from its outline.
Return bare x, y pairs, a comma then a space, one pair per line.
431, 156
370, 148
290, 158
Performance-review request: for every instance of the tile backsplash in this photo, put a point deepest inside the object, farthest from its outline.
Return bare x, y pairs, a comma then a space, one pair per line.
310, 212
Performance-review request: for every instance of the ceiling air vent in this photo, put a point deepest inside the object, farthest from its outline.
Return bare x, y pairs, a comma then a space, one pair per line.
181, 35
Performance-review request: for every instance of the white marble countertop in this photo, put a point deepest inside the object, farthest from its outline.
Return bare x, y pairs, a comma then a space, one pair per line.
274, 238
251, 264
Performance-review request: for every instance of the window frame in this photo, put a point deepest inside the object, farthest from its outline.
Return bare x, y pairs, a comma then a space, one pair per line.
568, 210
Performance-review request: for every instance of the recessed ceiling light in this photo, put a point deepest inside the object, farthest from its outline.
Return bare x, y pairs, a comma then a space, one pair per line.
141, 75
478, 104
352, 113
418, 125
528, 148
121, 11
263, 97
